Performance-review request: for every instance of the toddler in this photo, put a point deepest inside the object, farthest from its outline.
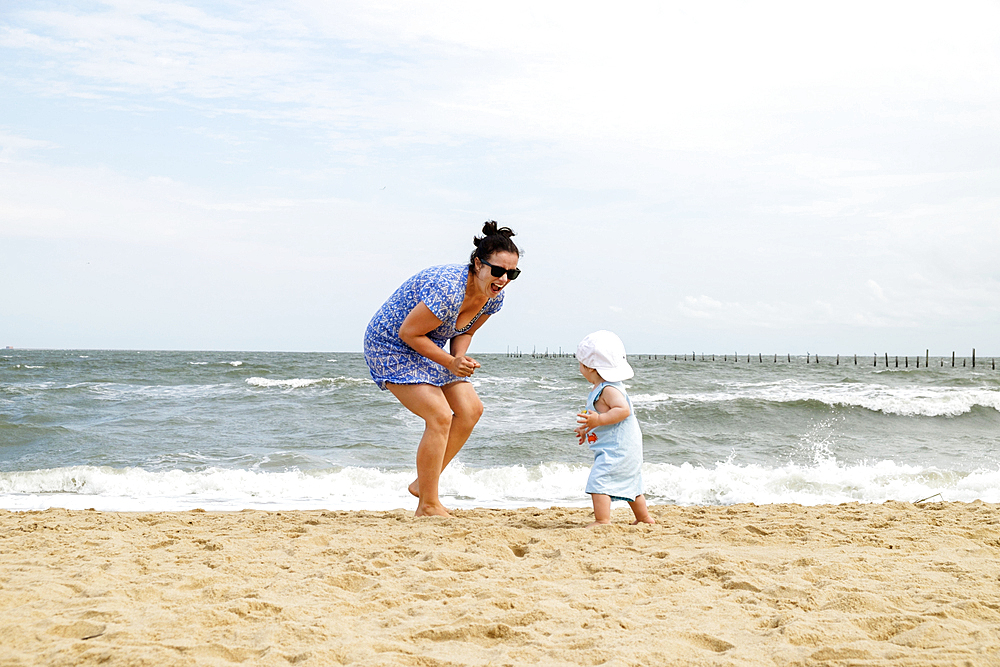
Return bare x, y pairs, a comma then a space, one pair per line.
609, 425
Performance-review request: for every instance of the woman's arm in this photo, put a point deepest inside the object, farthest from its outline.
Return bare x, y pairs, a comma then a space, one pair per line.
460, 343
413, 331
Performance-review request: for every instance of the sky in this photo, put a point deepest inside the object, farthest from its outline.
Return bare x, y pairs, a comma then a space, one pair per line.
697, 177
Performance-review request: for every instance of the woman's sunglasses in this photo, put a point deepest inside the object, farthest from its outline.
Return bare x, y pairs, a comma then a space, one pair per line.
498, 271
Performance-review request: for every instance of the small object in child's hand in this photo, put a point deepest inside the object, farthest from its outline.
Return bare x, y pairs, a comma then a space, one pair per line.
591, 436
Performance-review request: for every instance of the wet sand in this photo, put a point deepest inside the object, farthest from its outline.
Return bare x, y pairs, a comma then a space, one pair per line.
892, 584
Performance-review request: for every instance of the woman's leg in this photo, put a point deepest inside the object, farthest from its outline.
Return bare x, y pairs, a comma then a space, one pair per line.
466, 410
429, 403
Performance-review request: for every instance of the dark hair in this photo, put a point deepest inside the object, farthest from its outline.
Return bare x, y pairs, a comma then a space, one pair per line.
493, 240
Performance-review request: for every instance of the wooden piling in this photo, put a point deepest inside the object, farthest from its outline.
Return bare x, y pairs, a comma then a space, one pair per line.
973, 357
855, 360
838, 359
927, 358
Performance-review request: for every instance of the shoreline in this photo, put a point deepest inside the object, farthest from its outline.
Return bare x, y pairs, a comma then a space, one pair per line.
865, 584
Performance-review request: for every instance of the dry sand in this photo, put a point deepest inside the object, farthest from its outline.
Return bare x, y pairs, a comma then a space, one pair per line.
892, 584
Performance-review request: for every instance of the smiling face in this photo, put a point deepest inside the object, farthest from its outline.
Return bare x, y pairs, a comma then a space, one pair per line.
483, 281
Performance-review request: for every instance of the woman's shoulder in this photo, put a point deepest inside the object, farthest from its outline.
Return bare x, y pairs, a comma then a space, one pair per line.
443, 272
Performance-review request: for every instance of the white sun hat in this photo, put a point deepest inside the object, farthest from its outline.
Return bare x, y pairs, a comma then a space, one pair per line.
604, 352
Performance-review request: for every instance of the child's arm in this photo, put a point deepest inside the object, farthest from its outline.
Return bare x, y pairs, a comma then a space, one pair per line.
612, 407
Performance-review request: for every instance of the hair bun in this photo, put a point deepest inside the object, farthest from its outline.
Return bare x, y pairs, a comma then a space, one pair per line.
490, 229
494, 239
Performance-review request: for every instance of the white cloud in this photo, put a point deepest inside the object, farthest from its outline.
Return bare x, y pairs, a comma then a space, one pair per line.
13, 146
775, 157
705, 77
876, 291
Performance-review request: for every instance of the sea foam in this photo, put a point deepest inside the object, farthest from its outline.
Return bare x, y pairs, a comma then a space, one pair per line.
298, 383
903, 401
543, 485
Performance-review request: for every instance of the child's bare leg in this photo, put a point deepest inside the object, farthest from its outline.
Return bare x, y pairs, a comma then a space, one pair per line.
602, 509
640, 510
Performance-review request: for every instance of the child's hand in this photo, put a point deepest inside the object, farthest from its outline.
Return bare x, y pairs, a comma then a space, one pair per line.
587, 421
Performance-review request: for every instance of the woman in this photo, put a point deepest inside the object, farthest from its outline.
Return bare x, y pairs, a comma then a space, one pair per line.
404, 348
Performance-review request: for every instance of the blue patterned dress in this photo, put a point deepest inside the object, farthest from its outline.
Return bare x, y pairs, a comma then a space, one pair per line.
442, 290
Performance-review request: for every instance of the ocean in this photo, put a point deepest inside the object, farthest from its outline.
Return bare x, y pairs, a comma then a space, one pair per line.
147, 430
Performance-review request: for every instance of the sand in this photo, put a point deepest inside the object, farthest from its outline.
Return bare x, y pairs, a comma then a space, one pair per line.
892, 584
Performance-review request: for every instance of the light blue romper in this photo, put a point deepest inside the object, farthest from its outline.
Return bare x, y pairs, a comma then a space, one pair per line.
617, 470
442, 290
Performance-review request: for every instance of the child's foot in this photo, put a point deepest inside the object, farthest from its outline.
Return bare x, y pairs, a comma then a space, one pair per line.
414, 488
431, 509
597, 524
647, 519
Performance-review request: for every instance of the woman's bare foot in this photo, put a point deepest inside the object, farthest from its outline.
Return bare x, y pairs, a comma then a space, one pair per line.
414, 488
431, 509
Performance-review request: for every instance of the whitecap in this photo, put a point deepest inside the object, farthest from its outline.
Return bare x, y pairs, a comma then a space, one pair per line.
297, 383
903, 401
826, 481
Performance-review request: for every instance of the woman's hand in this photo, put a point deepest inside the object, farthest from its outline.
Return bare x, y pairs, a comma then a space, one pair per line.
463, 366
